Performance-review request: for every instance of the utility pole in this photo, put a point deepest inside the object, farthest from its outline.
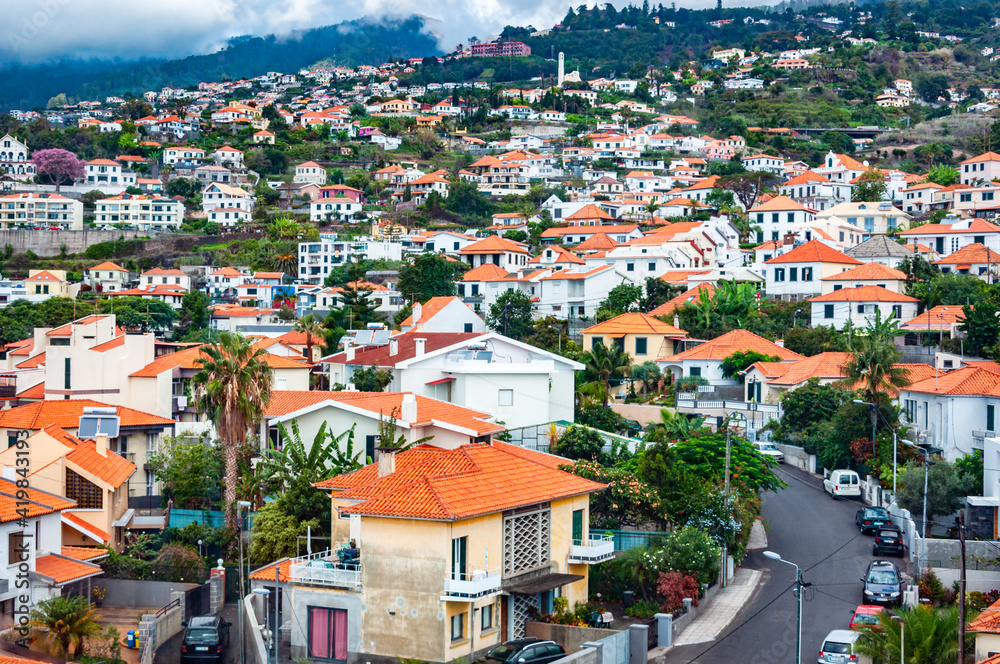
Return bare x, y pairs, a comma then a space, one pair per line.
961, 588
725, 552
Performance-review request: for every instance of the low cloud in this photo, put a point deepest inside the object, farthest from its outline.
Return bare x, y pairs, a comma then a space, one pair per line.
43, 30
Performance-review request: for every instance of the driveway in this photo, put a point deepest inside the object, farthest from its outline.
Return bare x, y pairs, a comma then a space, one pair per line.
170, 652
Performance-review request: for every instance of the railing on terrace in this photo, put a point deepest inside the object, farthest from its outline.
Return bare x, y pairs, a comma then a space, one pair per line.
595, 549
326, 569
472, 585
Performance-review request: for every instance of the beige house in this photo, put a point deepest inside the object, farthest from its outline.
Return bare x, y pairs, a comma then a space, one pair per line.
310, 172
463, 543
86, 472
640, 335
872, 218
984, 168
43, 284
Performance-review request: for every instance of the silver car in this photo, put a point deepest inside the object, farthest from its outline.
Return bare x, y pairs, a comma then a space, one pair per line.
769, 450
838, 648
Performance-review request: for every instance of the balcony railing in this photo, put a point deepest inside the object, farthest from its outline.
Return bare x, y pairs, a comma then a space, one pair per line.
327, 569
468, 587
593, 550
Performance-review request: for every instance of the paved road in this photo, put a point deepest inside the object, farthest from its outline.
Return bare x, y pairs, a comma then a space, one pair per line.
170, 652
809, 528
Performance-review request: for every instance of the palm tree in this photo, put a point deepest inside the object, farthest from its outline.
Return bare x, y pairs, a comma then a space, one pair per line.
604, 362
64, 623
874, 361
651, 209
233, 387
928, 635
312, 328
674, 426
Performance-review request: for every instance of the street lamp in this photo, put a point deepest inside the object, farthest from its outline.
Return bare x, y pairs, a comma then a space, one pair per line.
240, 505
874, 410
927, 465
264, 592
799, 585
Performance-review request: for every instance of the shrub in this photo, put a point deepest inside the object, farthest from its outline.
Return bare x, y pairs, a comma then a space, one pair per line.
643, 609
691, 551
579, 443
675, 588
930, 586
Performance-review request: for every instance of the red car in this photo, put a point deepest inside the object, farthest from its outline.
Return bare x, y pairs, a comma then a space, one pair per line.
866, 615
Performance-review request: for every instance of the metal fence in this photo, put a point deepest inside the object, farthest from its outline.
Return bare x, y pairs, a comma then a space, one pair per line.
631, 539
211, 518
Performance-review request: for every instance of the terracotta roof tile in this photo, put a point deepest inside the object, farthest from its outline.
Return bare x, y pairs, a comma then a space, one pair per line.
814, 252
823, 365
975, 226
493, 244
563, 255
38, 502
108, 266
560, 231
461, 483
487, 272
431, 308
635, 323
941, 317
589, 211
773, 369
863, 294
95, 532
738, 340
187, 359
989, 365
968, 380
597, 242
867, 272
777, 204
66, 414
988, 621
116, 342
110, 468
83, 553
970, 254
692, 295
406, 348
267, 573
63, 570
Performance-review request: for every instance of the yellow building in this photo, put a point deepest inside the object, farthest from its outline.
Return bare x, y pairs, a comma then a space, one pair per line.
43, 284
640, 335
440, 554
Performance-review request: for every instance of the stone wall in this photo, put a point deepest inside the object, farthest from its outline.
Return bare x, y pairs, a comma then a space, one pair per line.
49, 243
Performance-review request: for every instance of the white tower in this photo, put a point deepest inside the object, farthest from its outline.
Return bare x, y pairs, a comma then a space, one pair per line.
562, 69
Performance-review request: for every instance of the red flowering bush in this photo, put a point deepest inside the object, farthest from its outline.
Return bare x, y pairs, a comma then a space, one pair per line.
675, 587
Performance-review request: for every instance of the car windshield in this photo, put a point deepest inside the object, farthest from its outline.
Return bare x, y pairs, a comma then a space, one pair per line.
865, 619
767, 447
204, 636
884, 576
502, 653
836, 648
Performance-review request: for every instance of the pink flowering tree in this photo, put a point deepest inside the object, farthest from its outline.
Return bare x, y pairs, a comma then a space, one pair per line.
59, 166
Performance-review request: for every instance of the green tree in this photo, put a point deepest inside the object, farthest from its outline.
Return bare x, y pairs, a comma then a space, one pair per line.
194, 314
815, 340
190, 473
604, 363
358, 306
944, 491
674, 426
955, 289
928, 634
313, 329
810, 404
691, 551
943, 175
64, 624
621, 299
705, 458
969, 468
579, 443
233, 386
371, 379
870, 187
510, 314
275, 533
981, 327
646, 373
931, 87
742, 360
139, 314
327, 456
429, 275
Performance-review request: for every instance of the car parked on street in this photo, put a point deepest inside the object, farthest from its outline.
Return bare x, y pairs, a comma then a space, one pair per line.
888, 539
870, 519
769, 450
525, 651
839, 648
205, 640
883, 584
866, 615
843, 484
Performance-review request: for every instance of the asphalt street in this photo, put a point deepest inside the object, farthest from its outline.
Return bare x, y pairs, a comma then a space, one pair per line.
807, 527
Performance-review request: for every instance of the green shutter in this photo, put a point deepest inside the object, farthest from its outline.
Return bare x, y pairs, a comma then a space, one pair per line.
989, 418
578, 527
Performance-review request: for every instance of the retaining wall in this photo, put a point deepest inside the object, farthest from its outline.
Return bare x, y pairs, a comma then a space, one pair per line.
975, 579
569, 637
49, 243
141, 594
796, 456
587, 655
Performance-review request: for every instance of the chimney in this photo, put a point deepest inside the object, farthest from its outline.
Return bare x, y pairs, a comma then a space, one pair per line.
418, 347
349, 352
102, 444
393, 347
418, 309
386, 461
780, 343
408, 410
677, 322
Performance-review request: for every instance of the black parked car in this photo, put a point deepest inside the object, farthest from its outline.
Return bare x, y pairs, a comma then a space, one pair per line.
870, 519
883, 584
888, 539
205, 640
525, 651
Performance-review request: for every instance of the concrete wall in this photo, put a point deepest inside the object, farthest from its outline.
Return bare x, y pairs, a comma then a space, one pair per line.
796, 456
141, 594
586, 655
49, 243
639, 413
569, 637
975, 579
683, 619
945, 553
253, 642
156, 629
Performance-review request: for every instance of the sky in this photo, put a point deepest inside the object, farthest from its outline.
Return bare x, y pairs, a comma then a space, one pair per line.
35, 31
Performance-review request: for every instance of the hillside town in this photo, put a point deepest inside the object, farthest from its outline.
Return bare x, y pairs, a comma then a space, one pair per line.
398, 363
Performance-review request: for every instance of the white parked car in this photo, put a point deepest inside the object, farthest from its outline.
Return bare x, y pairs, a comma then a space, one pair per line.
843, 483
839, 648
769, 450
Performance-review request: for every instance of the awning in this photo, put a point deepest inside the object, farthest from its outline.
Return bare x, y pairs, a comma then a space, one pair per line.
124, 520
540, 584
440, 381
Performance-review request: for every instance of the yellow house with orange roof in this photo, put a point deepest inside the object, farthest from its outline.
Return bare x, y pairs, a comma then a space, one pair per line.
441, 553
642, 336
43, 284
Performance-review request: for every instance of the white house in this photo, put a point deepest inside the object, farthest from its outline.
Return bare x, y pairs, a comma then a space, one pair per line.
443, 314
159, 276
764, 163
858, 306
150, 212
705, 360
798, 273
218, 195
779, 216
229, 157
947, 238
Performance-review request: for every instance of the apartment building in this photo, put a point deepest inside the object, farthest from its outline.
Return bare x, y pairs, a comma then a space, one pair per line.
40, 210
148, 212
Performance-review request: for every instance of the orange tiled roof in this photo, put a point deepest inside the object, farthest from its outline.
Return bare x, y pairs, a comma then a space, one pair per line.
563, 255
38, 502
863, 294
66, 414
635, 323
429, 411
773, 369
688, 296
986, 156
975, 226
162, 272
597, 242
267, 573
110, 467
941, 317
33, 362
493, 244
867, 272
989, 620
823, 365
83, 553
108, 266
778, 203
989, 365
110, 344
187, 359
431, 308
967, 380
814, 252
79, 523
589, 211
970, 254
806, 178
44, 275
486, 272
34, 392
63, 570
66, 330
681, 277
559, 231
918, 372
469, 481
738, 340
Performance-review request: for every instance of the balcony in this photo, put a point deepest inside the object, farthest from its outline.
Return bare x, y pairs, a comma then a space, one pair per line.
592, 551
469, 587
329, 569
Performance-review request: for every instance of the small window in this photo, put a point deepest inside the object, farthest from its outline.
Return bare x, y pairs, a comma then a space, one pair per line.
640, 345
468, 327
695, 371
990, 419
827, 311
487, 618
506, 397
457, 626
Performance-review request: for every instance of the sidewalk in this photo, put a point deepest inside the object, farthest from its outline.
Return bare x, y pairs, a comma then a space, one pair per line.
724, 607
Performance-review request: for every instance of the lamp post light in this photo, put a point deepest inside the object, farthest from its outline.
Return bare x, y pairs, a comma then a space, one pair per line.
239, 533
874, 410
799, 585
